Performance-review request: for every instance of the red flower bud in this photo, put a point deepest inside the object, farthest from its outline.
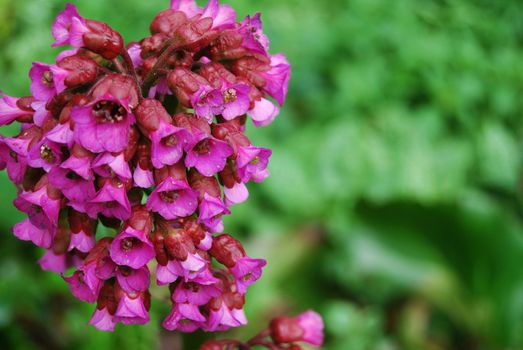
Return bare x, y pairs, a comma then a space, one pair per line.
227, 250
184, 83
167, 22
150, 112
82, 70
286, 330
103, 40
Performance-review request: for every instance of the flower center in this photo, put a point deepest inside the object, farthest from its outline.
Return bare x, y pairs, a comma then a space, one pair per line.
170, 141
247, 277
46, 154
127, 244
169, 196
229, 95
109, 112
202, 147
14, 155
47, 79
255, 161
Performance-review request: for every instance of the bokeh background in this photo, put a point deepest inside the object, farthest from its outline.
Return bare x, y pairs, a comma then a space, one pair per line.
394, 206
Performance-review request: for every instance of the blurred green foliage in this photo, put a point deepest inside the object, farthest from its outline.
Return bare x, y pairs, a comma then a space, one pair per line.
394, 202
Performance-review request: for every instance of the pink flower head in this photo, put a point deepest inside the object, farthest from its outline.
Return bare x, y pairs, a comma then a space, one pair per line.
132, 248
184, 317
247, 271
168, 142
9, 109
211, 210
173, 199
252, 161
208, 156
232, 101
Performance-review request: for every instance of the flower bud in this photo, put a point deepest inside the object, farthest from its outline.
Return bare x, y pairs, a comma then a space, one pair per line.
102, 39
227, 250
167, 22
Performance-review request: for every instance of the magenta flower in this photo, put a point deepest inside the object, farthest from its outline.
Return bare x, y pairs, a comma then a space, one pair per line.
306, 327
103, 125
132, 280
168, 142
40, 236
207, 102
61, 134
42, 81
247, 271
278, 78
44, 154
63, 25
224, 318
264, 112
9, 109
103, 320
252, 161
82, 232
81, 289
208, 156
111, 201
253, 37
80, 163
132, 307
210, 211
184, 317
41, 208
194, 293
235, 194
312, 325
173, 199
108, 165
131, 248
75, 188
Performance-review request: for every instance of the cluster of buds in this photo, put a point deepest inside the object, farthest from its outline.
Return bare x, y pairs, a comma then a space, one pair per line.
146, 140
284, 333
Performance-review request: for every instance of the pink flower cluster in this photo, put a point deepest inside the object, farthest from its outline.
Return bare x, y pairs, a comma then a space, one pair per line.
148, 140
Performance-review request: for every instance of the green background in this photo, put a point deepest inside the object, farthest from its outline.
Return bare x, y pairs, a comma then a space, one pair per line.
394, 206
